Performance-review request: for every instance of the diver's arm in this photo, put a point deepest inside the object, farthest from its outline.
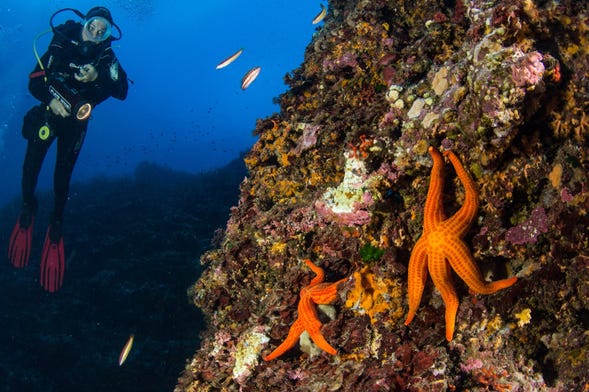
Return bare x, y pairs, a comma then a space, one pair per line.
114, 77
121, 85
111, 81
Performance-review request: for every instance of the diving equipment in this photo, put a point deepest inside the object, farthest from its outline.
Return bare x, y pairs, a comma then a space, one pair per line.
97, 29
44, 132
19, 246
101, 12
53, 259
70, 99
85, 47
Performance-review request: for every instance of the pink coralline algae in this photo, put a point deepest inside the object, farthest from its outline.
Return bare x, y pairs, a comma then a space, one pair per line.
528, 69
388, 171
308, 138
347, 59
566, 196
471, 365
528, 231
389, 117
359, 216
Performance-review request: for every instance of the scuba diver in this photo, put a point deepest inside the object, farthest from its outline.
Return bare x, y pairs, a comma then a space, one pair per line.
78, 71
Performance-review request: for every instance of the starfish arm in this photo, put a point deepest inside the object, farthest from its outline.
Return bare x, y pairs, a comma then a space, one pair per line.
417, 277
460, 222
324, 293
311, 324
295, 331
320, 341
463, 263
308, 314
441, 275
501, 284
318, 271
434, 212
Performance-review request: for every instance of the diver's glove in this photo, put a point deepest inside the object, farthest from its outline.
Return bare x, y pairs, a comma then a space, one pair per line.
86, 74
57, 108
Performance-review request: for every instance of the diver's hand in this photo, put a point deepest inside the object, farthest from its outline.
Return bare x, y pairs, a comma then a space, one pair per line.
58, 109
86, 74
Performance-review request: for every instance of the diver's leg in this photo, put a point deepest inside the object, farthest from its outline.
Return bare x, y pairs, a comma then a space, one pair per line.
34, 156
20, 242
68, 149
53, 257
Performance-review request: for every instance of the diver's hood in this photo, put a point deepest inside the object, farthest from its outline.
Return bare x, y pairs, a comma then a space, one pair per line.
94, 14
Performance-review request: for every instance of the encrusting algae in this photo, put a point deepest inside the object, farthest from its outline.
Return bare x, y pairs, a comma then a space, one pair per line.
504, 86
374, 295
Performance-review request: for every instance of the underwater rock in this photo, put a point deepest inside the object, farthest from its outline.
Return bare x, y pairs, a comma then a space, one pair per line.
528, 231
504, 85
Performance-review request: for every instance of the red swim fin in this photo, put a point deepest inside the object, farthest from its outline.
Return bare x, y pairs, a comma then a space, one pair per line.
52, 263
19, 246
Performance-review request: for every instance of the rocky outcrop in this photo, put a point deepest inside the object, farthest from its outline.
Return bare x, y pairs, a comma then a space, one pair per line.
340, 176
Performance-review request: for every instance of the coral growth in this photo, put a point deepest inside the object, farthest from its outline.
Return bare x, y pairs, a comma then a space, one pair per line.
374, 295
340, 175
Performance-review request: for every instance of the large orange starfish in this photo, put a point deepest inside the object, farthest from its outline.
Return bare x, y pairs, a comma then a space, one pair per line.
441, 247
316, 292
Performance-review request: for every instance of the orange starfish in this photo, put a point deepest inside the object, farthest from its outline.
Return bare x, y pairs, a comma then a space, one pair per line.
316, 292
441, 247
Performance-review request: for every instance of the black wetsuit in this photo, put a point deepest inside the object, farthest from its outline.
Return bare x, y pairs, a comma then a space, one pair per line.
66, 49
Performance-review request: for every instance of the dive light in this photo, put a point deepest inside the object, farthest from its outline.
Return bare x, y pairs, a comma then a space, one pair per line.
70, 99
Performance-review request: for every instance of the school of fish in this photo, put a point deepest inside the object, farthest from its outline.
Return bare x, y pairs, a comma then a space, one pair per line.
253, 73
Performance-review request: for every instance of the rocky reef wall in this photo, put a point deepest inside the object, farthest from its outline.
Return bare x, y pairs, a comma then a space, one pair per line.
340, 176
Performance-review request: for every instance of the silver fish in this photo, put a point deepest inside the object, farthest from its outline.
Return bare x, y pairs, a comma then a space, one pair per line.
320, 15
249, 77
229, 59
126, 350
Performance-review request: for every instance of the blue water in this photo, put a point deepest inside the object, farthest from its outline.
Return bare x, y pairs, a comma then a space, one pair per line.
181, 112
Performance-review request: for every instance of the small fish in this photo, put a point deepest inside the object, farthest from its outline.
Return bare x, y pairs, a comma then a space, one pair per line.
320, 15
126, 349
249, 77
229, 59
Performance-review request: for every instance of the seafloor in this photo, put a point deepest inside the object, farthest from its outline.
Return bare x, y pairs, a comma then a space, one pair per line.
131, 246
340, 176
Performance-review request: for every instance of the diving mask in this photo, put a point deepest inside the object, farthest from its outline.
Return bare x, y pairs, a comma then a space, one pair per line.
96, 29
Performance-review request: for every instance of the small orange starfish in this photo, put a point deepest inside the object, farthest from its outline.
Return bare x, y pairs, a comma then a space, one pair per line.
316, 292
441, 247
